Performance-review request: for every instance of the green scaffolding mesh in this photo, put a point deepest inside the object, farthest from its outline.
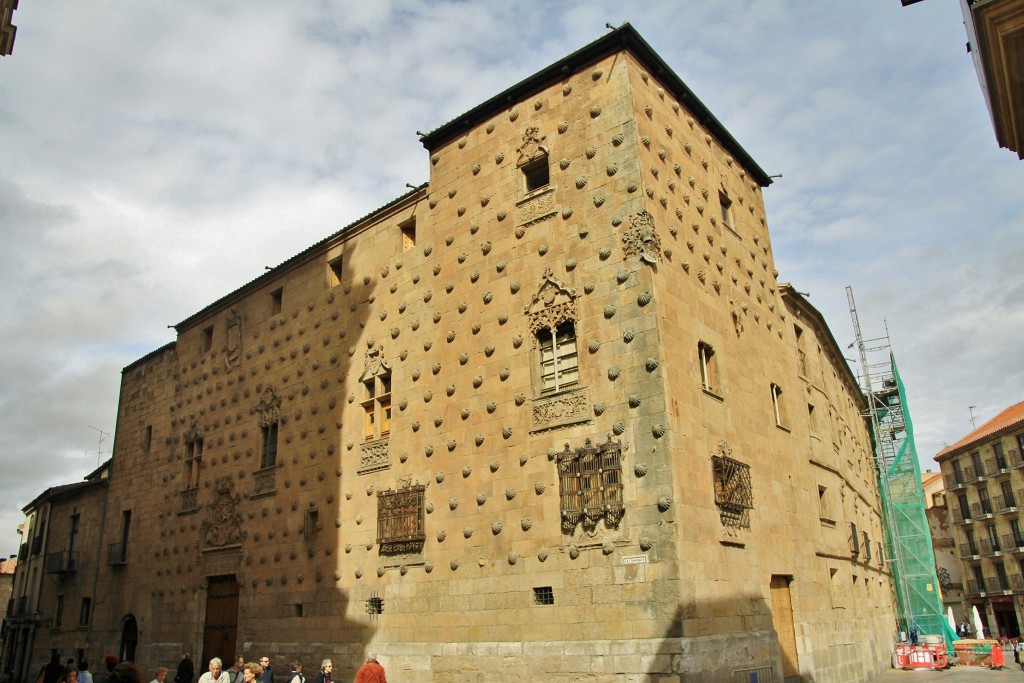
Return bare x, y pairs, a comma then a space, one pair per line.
919, 604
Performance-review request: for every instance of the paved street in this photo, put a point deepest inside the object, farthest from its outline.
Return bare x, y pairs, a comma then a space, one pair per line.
961, 674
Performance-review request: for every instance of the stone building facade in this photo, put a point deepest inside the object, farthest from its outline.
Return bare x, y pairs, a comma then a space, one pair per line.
947, 560
550, 414
984, 496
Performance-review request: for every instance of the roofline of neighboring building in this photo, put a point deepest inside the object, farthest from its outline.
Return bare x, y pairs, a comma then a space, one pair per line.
990, 429
302, 255
787, 291
55, 493
623, 38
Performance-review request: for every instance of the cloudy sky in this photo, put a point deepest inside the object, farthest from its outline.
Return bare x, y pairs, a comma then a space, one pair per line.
155, 156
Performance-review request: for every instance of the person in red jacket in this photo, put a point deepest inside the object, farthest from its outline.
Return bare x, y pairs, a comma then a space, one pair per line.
371, 671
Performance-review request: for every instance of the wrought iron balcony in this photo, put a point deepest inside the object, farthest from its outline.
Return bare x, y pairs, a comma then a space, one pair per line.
967, 550
953, 482
1013, 459
989, 547
117, 554
63, 562
996, 583
1013, 544
1003, 503
961, 517
981, 509
973, 473
37, 544
1016, 582
997, 465
974, 588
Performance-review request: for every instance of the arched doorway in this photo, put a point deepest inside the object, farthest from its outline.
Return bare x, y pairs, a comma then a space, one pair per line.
129, 638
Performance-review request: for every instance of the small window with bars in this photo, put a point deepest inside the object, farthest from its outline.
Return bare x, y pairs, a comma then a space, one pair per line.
733, 494
590, 482
543, 595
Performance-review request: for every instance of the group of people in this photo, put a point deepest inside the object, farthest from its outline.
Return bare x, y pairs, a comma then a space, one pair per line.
251, 672
72, 672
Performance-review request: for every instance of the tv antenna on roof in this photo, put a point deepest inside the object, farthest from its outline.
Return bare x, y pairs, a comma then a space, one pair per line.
99, 445
971, 410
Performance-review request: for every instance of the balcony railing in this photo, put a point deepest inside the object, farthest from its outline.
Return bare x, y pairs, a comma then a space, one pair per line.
63, 562
1002, 503
997, 465
1013, 543
1016, 582
117, 554
988, 547
996, 583
974, 588
23, 552
959, 516
982, 508
973, 473
968, 550
1013, 458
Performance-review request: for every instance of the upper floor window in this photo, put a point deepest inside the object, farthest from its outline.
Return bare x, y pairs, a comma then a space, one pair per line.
533, 160
400, 527
268, 455
206, 341
276, 299
778, 406
193, 459
334, 272
408, 234
708, 367
268, 412
536, 174
590, 486
726, 209
559, 363
376, 403
733, 491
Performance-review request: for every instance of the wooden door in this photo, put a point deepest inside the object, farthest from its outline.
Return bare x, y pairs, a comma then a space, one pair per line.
782, 619
221, 630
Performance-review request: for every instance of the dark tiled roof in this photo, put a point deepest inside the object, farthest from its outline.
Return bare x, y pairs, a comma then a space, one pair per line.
623, 38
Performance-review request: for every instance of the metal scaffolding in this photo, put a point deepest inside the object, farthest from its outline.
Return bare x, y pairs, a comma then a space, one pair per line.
908, 538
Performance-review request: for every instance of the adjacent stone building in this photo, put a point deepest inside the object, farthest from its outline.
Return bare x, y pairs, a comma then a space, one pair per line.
549, 416
947, 559
985, 497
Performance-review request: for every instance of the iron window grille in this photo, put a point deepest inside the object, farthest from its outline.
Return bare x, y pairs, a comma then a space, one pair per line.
590, 479
400, 520
733, 492
543, 595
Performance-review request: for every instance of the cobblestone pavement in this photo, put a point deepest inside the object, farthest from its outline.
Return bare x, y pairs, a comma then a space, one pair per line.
960, 674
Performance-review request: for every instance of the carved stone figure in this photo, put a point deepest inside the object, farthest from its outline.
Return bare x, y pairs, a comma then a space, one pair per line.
223, 523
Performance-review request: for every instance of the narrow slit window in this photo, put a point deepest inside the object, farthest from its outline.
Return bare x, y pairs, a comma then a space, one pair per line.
206, 341
334, 266
276, 298
708, 367
778, 406
408, 234
268, 456
726, 209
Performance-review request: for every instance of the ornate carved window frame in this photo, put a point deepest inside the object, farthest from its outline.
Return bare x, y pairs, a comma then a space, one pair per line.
552, 311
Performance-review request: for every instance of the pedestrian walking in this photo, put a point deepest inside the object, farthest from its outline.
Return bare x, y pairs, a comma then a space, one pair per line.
371, 671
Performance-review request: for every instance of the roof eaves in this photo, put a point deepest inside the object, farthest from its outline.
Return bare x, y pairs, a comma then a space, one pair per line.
623, 38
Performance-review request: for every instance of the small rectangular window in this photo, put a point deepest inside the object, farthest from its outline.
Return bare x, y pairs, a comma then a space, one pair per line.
778, 406
147, 439
708, 367
726, 204
276, 298
543, 595
268, 457
84, 615
536, 174
812, 419
207, 339
408, 234
335, 272
58, 612
310, 524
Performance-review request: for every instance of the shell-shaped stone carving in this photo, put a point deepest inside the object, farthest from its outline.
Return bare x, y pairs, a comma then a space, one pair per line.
658, 431
453, 503
612, 169
476, 169
581, 182
599, 409
491, 407
513, 115
452, 444
380, 570
574, 552
610, 310
454, 564
646, 543
520, 231
486, 247
464, 413
542, 554
540, 487
570, 264
488, 297
428, 566
510, 493
450, 336
429, 507
496, 528
499, 157
479, 440
481, 498
628, 335
513, 557
563, 126
607, 548
428, 450
664, 503
618, 428
589, 287
358, 572
651, 364
617, 139
477, 381
503, 374
621, 276
523, 459
403, 404
591, 152
604, 253
595, 111
614, 372
434, 158
435, 368
467, 532
517, 341
640, 469
520, 399
438, 421
485, 200
437, 268
506, 432
634, 401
